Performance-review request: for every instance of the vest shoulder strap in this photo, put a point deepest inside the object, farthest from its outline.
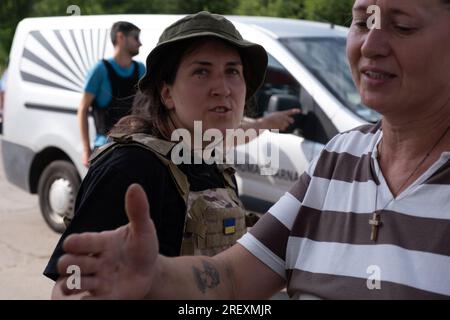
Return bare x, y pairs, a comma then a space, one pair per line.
158, 147
228, 173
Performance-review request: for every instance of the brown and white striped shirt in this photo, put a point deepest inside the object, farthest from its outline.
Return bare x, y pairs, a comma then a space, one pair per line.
317, 236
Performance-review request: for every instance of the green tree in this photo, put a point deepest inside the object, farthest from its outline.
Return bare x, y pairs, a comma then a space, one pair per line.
43, 8
216, 6
252, 7
333, 11
138, 6
271, 8
290, 8
11, 12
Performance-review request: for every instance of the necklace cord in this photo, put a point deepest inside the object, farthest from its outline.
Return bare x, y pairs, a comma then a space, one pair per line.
421, 161
375, 222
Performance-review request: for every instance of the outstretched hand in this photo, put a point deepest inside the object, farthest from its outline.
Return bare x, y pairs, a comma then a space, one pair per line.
117, 264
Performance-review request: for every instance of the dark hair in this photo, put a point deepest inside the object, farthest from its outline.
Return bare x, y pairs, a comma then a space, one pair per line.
124, 27
149, 114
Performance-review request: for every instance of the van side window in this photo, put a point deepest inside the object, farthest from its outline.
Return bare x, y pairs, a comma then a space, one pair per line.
278, 81
313, 124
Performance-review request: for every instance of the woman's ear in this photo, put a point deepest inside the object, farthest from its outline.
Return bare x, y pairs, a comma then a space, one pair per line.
166, 96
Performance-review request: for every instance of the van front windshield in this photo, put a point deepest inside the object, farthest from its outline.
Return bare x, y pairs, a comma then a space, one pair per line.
326, 59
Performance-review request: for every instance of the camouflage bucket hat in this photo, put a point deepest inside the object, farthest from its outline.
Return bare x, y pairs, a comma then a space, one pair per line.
205, 24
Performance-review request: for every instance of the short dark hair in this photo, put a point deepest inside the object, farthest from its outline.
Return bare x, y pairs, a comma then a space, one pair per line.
124, 27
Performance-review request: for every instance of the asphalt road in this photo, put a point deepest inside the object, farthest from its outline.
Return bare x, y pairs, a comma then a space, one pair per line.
25, 244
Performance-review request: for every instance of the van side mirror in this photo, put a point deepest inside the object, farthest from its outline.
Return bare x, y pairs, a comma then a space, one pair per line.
282, 102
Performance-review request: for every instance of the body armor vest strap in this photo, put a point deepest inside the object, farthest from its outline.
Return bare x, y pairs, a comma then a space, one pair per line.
215, 218
160, 148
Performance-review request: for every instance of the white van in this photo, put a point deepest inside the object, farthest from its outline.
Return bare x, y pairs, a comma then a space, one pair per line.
50, 58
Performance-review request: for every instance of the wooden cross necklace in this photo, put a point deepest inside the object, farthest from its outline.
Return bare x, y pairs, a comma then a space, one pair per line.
375, 222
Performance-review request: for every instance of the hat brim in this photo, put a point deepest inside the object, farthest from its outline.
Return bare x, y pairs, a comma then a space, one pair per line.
255, 56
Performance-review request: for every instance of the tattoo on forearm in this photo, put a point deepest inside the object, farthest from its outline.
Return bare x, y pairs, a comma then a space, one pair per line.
208, 278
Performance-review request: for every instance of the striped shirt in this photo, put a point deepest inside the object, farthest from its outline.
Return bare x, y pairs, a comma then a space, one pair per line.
317, 236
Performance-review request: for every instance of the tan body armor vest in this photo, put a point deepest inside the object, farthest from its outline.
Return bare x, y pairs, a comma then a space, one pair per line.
215, 218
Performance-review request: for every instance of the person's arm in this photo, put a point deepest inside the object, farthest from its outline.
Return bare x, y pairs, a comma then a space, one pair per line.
125, 264
83, 112
233, 274
2, 99
277, 120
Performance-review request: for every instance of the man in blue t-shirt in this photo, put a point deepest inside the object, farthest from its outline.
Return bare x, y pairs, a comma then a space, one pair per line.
110, 86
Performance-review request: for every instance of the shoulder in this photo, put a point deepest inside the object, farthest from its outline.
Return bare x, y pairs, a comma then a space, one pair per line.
357, 141
348, 156
370, 128
129, 159
125, 165
98, 67
141, 68
96, 72
119, 168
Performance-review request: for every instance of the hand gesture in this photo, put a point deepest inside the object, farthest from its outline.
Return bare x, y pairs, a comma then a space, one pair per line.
118, 264
278, 120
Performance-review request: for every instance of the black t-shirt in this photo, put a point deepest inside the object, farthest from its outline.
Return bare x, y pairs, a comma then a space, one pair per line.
100, 203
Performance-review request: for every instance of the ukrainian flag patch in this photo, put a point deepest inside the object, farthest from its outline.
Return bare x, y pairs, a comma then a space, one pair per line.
229, 226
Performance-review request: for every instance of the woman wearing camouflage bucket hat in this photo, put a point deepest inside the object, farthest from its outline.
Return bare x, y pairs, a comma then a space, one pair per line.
200, 70
178, 40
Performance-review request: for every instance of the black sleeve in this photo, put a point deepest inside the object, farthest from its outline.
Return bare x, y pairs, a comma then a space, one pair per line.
100, 202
